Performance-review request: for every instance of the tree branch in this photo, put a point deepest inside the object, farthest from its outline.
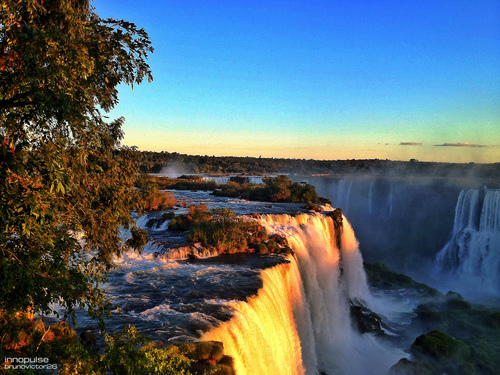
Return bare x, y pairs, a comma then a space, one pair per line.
16, 101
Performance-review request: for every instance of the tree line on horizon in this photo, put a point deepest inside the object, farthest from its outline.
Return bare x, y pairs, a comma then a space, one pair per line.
161, 162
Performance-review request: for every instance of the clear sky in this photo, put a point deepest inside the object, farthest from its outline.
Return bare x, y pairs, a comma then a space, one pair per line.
331, 79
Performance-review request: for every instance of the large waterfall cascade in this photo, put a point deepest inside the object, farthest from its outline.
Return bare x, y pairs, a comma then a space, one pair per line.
472, 255
299, 323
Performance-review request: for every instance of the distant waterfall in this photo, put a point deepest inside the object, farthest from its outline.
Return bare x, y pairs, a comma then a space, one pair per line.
343, 194
370, 199
472, 256
390, 199
299, 323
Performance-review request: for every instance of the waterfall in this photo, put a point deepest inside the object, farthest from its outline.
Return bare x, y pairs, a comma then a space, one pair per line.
370, 199
343, 194
186, 252
390, 198
299, 322
472, 255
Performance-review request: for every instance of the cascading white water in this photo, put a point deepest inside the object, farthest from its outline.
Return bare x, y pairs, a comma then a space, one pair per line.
343, 195
472, 256
299, 323
370, 199
390, 199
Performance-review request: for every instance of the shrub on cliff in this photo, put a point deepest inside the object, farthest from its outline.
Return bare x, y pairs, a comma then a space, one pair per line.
382, 277
441, 349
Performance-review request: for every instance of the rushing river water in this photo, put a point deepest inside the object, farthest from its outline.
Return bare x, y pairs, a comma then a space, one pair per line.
172, 300
289, 315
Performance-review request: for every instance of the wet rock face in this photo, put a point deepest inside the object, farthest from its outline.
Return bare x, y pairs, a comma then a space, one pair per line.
279, 239
364, 319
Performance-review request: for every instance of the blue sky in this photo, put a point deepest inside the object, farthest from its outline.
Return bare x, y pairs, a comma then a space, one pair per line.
317, 79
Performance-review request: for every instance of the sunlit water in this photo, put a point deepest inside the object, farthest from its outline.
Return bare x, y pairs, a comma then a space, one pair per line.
300, 322
275, 315
172, 300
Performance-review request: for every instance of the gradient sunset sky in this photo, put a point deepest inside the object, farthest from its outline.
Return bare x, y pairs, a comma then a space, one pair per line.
317, 79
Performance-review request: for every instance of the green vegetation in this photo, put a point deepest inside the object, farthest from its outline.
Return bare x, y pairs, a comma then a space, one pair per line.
461, 338
63, 175
407, 367
442, 350
181, 183
382, 277
195, 215
125, 352
154, 162
274, 189
221, 230
153, 199
477, 326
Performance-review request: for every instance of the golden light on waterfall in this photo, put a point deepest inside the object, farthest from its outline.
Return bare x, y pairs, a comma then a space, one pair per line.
299, 321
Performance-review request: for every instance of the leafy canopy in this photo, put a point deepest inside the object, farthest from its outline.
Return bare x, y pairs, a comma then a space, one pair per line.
66, 183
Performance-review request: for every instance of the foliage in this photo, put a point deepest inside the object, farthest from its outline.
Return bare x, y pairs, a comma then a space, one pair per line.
124, 355
475, 325
442, 350
21, 334
181, 183
262, 248
439, 345
262, 235
224, 232
406, 367
154, 199
457, 326
274, 189
125, 352
382, 277
66, 184
180, 223
154, 162
196, 214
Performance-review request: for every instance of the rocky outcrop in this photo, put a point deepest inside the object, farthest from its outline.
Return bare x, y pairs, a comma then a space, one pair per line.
337, 217
407, 367
364, 319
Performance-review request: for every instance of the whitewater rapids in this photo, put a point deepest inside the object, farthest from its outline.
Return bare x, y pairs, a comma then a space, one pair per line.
299, 322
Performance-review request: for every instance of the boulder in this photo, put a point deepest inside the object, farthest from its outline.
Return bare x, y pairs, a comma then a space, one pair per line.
365, 320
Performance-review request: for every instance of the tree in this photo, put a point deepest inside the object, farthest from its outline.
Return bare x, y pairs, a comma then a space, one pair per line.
278, 187
66, 184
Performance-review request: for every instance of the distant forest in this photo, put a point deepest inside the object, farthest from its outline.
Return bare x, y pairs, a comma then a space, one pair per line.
162, 162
